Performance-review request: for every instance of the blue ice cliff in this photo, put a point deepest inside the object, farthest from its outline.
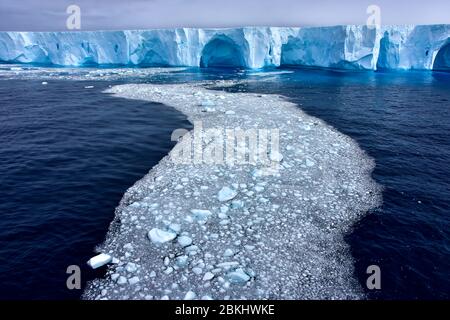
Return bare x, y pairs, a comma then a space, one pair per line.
341, 47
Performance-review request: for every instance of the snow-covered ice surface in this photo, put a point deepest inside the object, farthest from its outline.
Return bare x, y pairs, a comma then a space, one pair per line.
202, 231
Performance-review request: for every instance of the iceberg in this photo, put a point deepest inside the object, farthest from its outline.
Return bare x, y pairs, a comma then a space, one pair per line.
348, 47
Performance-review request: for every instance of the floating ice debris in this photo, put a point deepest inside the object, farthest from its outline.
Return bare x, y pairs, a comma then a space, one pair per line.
207, 103
166, 261
227, 264
209, 109
259, 188
169, 270
115, 260
237, 204
197, 270
44, 82
309, 162
276, 156
115, 276
226, 194
228, 253
200, 215
238, 276
122, 280
89, 87
182, 261
191, 249
230, 112
190, 295
99, 260
208, 276
287, 211
133, 280
131, 267
15, 69
224, 209
184, 241
175, 227
158, 236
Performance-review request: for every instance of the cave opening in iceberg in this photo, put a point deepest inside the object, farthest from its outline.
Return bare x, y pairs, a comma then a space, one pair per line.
222, 52
442, 60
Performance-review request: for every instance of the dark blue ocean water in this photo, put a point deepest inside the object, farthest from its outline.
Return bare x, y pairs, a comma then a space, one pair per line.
67, 154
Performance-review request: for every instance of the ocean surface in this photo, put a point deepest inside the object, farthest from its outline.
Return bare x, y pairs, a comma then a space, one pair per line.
67, 156
68, 152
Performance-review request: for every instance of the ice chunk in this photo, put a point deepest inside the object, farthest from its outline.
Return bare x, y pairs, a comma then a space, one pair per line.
238, 276
226, 194
121, 280
99, 260
201, 216
131, 267
184, 241
228, 253
182, 261
276, 156
159, 236
190, 295
133, 280
208, 276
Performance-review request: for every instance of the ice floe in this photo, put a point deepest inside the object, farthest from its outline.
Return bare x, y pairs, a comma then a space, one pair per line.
242, 231
99, 260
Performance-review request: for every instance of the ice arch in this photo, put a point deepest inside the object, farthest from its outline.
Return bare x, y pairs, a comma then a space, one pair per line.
222, 52
442, 60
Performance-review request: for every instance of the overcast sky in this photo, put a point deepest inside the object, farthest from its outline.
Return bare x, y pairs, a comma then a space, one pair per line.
41, 15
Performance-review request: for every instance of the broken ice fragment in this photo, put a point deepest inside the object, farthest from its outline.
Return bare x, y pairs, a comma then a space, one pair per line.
238, 276
228, 253
131, 267
99, 260
208, 276
201, 216
175, 227
309, 163
182, 261
133, 280
207, 103
237, 204
190, 295
276, 156
226, 194
158, 236
184, 241
121, 280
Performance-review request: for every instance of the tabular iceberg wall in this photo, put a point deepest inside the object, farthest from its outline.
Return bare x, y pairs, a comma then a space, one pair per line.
341, 47
256, 47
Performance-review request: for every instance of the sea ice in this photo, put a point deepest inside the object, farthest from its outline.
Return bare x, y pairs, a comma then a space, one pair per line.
257, 230
160, 236
226, 194
99, 260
